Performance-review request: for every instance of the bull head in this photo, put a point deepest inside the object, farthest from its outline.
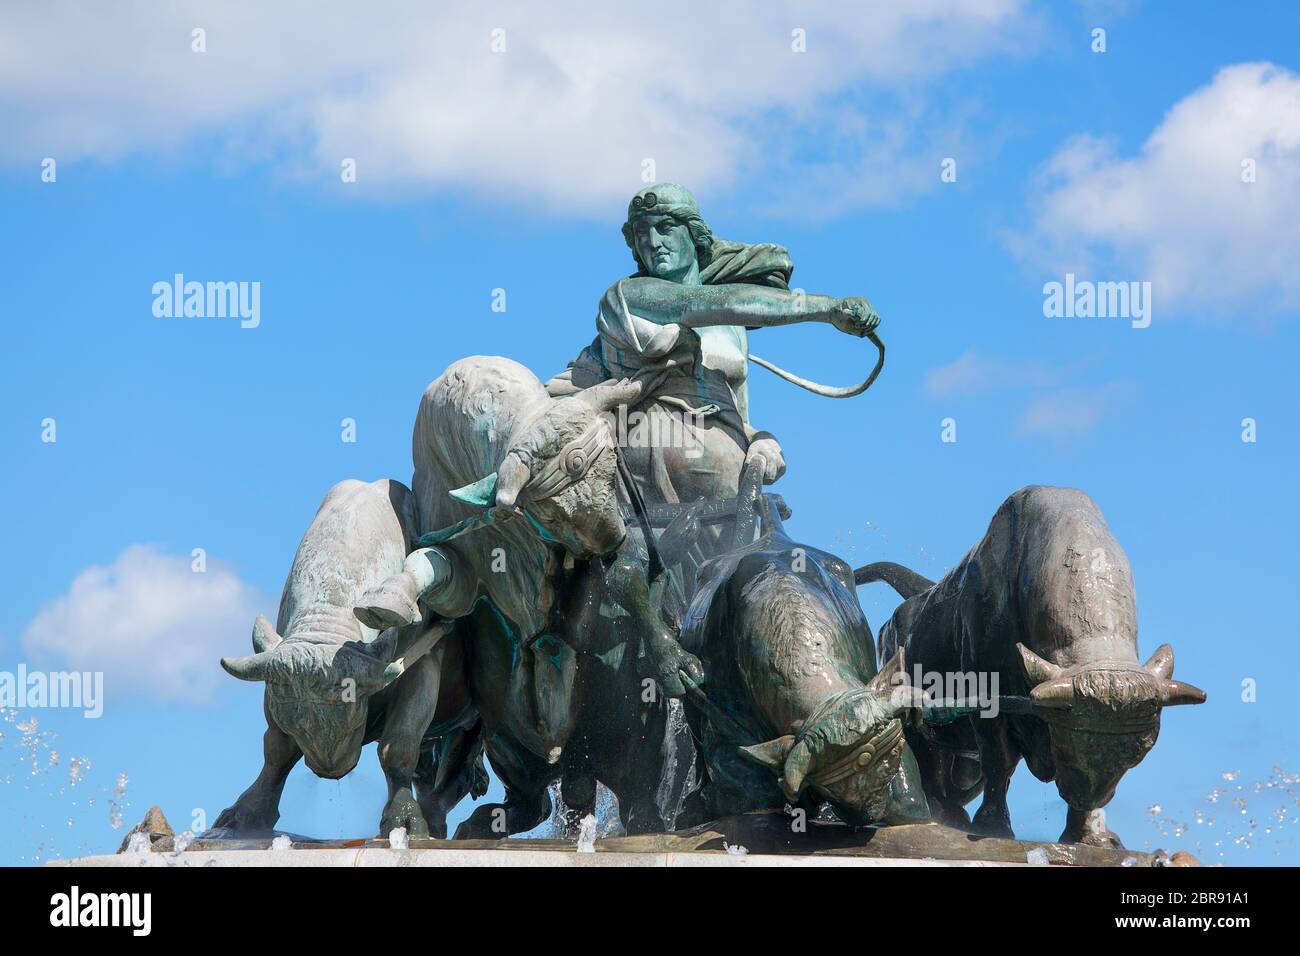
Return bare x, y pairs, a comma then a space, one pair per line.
849, 748
373, 666
1103, 717
1054, 686
559, 465
307, 685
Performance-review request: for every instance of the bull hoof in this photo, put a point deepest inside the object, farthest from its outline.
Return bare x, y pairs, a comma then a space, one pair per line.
392, 604
488, 822
955, 817
403, 812
1104, 840
994, 823
243, 818
1090, 831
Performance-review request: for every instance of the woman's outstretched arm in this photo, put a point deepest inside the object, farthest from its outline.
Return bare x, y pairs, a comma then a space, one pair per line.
670, 303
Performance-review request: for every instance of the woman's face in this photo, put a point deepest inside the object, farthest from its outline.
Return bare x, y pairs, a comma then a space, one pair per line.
664, 247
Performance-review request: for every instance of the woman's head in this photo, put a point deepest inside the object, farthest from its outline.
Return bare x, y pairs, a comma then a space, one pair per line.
666, 234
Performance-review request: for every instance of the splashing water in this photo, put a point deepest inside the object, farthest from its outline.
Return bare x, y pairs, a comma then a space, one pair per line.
397, 839
182, 841
587, 834
117, 802
563, 823
138, 843
30, 759
677, 781
1273, 799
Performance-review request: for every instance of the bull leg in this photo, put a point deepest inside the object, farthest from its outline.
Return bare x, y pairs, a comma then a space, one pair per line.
946, 796
1089, 826
258, 807
443, 782
579, 793
998, 760
395, 602
527, 803
409, 714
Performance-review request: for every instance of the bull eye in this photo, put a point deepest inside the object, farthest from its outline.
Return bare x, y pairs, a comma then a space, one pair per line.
575, 463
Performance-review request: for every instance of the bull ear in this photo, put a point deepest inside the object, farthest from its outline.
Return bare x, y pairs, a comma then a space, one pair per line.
511, 478
1038, 669
264, 636
607, 397
384, 647
1175, 692
253, 667
480, 492
1161, 663
771, 753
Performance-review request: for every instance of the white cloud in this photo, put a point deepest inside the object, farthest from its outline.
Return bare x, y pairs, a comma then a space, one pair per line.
975, 373
1056, 410
1178, 213
1073, 413
584, 92
149, 622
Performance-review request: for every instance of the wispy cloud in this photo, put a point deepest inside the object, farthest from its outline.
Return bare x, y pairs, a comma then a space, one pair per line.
154, 626
1206, 210
561, 113
975, 373
1073, 413
1057, 410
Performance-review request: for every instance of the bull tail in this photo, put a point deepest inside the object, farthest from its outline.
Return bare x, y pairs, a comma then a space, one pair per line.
903, 580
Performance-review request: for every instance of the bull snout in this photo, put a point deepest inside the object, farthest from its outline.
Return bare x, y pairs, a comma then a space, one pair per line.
1085, 790
1090, 765
331, 767
604, 536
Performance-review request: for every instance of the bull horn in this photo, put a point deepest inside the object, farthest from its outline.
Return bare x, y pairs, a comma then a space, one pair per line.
1175, 692
770, 753
1055, 694
425, 643
479, 492
609, 396
511, 478
253, 667
1038, 669
889, 675
264, 636
797, 765
906, 699
1161, 663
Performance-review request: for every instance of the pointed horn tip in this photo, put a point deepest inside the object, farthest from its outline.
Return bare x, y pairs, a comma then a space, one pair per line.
792, 784
1161, 663
1177, 693
1055, 694
240, 667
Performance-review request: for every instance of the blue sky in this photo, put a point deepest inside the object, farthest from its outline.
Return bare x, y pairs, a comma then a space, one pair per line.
479, 171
